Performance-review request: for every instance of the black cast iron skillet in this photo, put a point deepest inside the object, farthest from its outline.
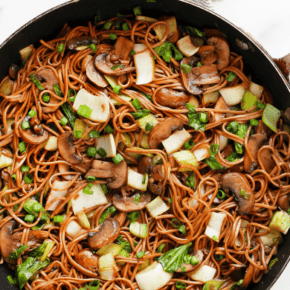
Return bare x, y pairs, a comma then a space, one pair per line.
257, 62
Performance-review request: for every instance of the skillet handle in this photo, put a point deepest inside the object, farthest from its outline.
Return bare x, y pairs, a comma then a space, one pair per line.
284, 65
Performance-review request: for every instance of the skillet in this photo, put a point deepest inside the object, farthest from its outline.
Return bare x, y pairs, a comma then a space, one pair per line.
257, 62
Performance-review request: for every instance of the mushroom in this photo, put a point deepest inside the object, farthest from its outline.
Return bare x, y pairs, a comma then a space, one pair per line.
189, 267
263, 129
121, 218
207, 54
106, 67
128, 204
13, 71
94, 76
220, 105
106, 233
283, 202
171, 98
254, 144
116, 174
80, 42
144, 165
82, 167
67, 149
238, 271
223, 50
87, 260
122, 49
49, 78
48, 109
250, 272
62, 168
163, 130
238, 185
9, 242
209, 32
267, 160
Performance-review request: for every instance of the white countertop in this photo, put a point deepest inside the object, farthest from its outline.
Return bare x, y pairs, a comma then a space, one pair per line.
268, 21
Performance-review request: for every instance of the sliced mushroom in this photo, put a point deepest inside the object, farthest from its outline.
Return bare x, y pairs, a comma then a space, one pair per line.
163, 130
220, 105
106, 67
121, 218
263, 129
48, 109
87, 260
116, 173
62, 168
254, 144
128, 204
13, 71
94, 76
267, 160
9, 242
283, 202
171, 98
144, 165
223, 50
238, 272
207, 54
67, 149
107, 232
49, 78
189, 267
80, 42
123, 47
228, 150
234, 182
82, 167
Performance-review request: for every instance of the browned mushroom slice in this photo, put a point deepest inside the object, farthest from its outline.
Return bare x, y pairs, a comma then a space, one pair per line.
48, 109
283, 202
120, 217
116, 174
144, 165
62, 168
33, 136
267, 160
87, 260
220, 105
155, 184
238, 185
49, 78
123, 47
254, 144
223, 50
13, 71
207, 54
238, 272
171, 98
94, 76
127, 204
80, 42
204, 75
106, 67
163, 130
67, 149
189, 267
107, 232
263, 129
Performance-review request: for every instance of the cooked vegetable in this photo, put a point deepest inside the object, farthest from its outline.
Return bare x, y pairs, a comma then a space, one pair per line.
157, 207
271, 116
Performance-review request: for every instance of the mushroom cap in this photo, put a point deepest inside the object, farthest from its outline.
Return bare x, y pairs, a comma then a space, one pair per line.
94, 76
50, 79
29, 136
101, 169
67, 149
107, 232
267, 159
80, 41
254, 143
120, 178
203, 75
283, 202
145, 165
155, 184
105, 66
190, 267
62, 167
127, 204
87, 260
233, 182
263, 129
208, 57
163, 130
171, 98
223, 50
122, 49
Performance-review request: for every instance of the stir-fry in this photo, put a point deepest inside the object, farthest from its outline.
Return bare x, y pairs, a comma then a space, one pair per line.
136, 154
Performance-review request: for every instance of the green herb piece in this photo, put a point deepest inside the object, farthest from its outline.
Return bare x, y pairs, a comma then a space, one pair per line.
84, 111
125, 244
213, 163
94, 285
215, 238
46, 97
219, 257
189, 144
147, 96
170, 200
260, 105
57, 90
233, 157
194, 31
193, 118
60, 48
17, 253
117, 66
176, 224
270, 117
133, 216
185, 68
203, 117
137, 10
117, 24
63, 121
91, 178
221, 194
78, 134
132, 52
29, 218
108, 25
113, 36
37, 207
254, 122
233, 127
214, 149
58, 218
187, 259
125, 26
117, 89
109, 129
141, 113
94, 134
102, 152
25, 125
73, 92
28, 178
86, 190
165, 51
194, 261
160, 248
136, 103
22, 147
104, 188
28, 206
109, 211
190, 180
244, 195
36, 82
13, 176
152, 1
137, 198
173, 259
69, 113
180, 285
272, 263
140, 254
93, 47
198, 64
149, 127
237, 285
231, 76
118, 158
24, 168
11, 280
242, 131
32, 113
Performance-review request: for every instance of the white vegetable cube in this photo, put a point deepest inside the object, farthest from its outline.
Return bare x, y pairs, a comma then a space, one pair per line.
95, 108
186, 46
153, 277
176, 141
106, 261
271, 238
139, 47
223, 142
73, 229
210, 98
201, 153
138, 230
54, 194
107, 267
82, 201
203, 274
107, 143
243, 227
192, 202
214, 226
157, 207
137, 180
256, 90
280, 222
160, 29
185, 157
51, 144
111, 248
5, 161
233, 95
142, 122
123, 97
145, 67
